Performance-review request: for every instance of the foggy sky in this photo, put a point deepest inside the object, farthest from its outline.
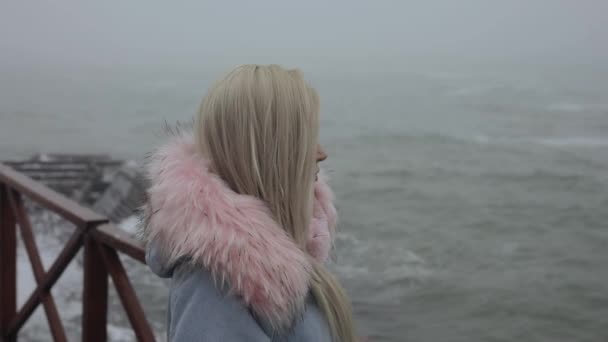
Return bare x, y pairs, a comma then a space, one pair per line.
370, 32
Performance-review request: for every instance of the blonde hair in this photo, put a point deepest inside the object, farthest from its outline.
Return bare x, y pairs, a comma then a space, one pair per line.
259, 127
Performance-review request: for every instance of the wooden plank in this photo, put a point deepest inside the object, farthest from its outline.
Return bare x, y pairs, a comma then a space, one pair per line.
112, 236
94, 295
124, 195
67, 254
48, 198
68, 184
48, 168
73, 156
75, 163
64, 157
8, 266
127, 294
80, 165
27, 236
59, 176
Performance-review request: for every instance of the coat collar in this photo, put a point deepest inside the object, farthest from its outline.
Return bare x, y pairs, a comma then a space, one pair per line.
192, 213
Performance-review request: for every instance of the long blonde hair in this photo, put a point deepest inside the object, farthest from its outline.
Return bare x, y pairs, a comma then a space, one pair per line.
259, 127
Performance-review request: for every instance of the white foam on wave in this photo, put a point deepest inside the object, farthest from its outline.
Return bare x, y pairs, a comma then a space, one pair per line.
555, 142
116, 333
348, 238
129, 224
362, 259
396, 273
470, 90
575, 141
509, 248
567, 107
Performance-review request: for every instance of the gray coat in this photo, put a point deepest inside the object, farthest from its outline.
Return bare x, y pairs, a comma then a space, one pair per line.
199, 311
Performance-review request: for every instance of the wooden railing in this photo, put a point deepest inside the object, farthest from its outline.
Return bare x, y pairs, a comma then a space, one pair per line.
101, 241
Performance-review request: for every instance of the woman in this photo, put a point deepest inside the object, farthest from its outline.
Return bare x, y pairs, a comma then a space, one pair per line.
241, 220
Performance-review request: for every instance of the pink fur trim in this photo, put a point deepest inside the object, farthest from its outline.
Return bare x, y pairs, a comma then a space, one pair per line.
192, 212
323, 223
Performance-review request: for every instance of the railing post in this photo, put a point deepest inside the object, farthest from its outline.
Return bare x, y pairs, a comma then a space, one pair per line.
95, 294
8, 265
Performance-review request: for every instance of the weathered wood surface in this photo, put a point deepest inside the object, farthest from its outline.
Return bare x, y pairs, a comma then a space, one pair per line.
124, 195
110, 187
81, 177
48, 198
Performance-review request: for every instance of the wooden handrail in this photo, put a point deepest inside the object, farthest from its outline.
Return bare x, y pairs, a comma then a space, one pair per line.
102, 241
8, 265
48, 198
111, 236
127, 294
95, 291
27, 235
61, 263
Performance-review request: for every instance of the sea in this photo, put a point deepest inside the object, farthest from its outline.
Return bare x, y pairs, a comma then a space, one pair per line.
473, 200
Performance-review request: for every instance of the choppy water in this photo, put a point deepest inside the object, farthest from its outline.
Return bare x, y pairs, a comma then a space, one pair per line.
474, 203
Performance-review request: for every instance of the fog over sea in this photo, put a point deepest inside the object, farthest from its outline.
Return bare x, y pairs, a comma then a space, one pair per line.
473, 201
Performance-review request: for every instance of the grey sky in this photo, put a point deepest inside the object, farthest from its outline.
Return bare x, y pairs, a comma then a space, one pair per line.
200, 32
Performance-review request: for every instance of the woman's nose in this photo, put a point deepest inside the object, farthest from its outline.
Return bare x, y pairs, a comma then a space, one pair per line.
321, 155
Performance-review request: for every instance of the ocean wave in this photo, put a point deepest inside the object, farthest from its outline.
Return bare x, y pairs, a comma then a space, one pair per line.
364, 257
422, 137
538, 175
130, 224
552, 142
472, 90
566, 107
480, 139
591, 142
388, 275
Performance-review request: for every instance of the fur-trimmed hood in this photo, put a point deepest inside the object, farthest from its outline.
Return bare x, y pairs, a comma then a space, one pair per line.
191, 214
